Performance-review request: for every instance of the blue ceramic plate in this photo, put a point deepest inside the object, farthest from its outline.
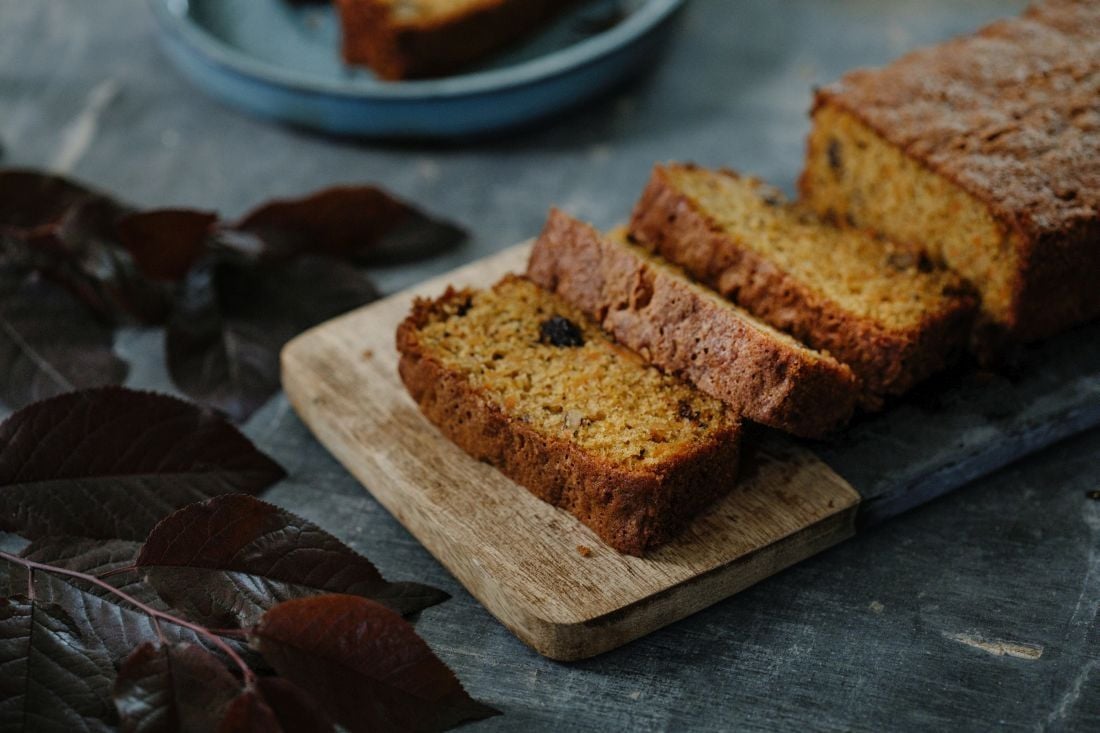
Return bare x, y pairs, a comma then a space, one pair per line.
283, 62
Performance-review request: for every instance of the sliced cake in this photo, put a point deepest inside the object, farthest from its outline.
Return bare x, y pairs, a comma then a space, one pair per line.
521, 379
985, 151
652, 307
877, 307
405, 39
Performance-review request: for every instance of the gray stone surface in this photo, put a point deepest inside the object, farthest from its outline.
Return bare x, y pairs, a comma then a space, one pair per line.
976, 611
967, 423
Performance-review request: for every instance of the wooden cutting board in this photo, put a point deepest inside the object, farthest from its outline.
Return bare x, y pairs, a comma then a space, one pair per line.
518, 556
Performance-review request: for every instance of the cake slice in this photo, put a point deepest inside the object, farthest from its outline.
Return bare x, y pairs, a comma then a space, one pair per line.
985, 151
519, 378
406, 39
650, 306
874, 306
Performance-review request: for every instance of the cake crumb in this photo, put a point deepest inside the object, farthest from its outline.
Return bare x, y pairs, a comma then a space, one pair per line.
876, 607
368, 354
584, 550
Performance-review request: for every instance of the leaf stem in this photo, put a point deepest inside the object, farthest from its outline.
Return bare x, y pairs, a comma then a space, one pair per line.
155, 614
118, 571
242, 633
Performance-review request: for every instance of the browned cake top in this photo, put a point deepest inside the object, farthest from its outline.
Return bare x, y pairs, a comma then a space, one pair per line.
1011, 113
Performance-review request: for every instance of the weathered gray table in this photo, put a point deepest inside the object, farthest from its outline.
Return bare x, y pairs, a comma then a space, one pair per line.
976, 611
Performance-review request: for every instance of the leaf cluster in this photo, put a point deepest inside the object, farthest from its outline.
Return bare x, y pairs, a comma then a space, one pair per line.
157, 593
75, 264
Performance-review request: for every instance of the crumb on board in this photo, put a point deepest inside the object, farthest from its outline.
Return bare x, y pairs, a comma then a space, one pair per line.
368, 354
1094, 494
584, 550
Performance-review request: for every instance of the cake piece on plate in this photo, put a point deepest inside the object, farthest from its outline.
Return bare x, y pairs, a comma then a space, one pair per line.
406, 39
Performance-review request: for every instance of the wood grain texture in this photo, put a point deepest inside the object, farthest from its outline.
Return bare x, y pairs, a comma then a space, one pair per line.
518, 555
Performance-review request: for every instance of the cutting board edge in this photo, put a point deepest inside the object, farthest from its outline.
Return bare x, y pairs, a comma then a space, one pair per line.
570, 642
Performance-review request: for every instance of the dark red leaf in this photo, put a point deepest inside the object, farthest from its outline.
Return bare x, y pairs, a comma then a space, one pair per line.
112, 462
49, 342
364, 665
119, 625
166, 243
38, 206
355, 223
111, 626
88, 261
177, 687
52, 679
226, 561
96, 557
67, 232
249, 713
295, 709
122, 263
274, 705
231, 320
182, 687
85, 601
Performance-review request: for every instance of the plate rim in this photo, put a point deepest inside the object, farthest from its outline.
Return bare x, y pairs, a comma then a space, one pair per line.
172, 17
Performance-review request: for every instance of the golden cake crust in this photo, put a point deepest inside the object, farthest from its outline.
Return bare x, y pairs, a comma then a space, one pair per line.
1011, 115
632, 509
652, 308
